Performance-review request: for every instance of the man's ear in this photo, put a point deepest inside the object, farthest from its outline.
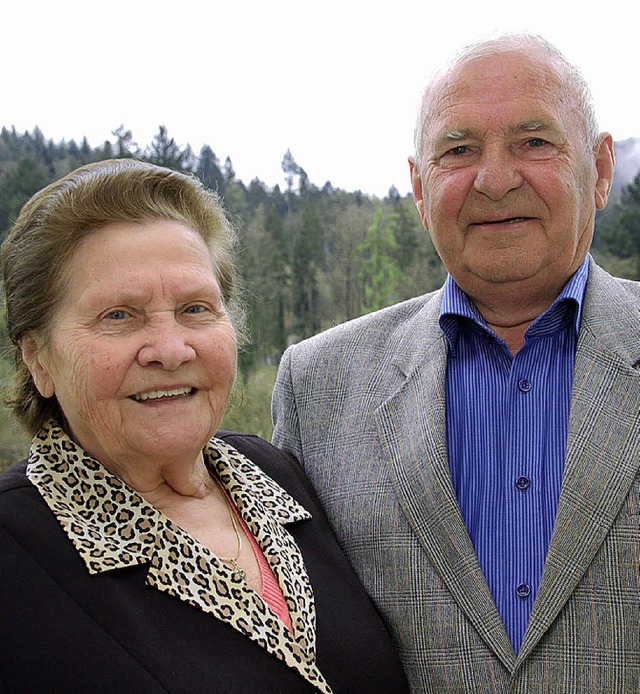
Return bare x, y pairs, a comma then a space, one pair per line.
36, 360
605, 165
418, 194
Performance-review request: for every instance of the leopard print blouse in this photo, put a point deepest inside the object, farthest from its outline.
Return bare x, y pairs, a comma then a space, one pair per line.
112, 526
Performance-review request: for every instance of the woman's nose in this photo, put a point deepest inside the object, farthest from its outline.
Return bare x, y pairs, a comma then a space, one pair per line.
166, 345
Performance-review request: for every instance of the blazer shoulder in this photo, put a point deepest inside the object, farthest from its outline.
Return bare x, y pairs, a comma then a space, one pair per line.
279, 464
608, 286
610, 298
375, 329
261, 452
632, 287
14, 478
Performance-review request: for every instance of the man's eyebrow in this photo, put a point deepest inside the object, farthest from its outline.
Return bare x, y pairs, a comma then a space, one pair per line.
449, 136
458, 134
533, 126
454, 135
524, 126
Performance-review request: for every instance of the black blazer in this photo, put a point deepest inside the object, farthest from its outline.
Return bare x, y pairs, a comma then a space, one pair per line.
64, 630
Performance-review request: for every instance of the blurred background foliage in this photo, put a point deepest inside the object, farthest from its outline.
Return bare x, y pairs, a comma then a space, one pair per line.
309, 256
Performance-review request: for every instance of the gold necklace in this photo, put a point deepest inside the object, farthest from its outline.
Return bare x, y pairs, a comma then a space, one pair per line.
238, 571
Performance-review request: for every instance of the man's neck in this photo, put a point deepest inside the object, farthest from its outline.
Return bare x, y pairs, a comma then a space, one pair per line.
510, 310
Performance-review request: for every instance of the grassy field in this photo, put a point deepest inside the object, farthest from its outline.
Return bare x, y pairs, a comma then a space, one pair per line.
250, 407
249, 411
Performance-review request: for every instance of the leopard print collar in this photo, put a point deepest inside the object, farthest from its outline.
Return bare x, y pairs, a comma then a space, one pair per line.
112, 526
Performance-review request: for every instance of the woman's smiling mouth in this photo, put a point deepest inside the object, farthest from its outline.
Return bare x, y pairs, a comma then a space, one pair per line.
159, 394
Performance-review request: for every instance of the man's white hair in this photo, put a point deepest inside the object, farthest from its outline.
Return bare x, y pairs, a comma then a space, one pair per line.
574, 82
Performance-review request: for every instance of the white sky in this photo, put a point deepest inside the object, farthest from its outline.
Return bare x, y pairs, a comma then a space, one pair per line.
337, 81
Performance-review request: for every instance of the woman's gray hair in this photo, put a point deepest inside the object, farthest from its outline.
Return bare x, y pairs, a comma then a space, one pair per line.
573, 79
38, 249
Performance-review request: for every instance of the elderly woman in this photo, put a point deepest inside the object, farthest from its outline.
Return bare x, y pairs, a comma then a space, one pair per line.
138, 553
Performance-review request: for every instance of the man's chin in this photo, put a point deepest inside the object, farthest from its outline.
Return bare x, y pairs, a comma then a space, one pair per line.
508, 268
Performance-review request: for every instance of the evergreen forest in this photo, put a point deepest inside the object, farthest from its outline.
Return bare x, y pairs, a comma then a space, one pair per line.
309, 256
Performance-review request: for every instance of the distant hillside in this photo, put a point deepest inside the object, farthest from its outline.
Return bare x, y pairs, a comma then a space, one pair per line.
627, 163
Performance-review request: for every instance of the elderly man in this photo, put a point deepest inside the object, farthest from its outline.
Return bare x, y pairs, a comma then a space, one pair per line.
477, 449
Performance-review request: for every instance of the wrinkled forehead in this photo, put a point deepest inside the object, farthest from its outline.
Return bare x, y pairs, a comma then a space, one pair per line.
507, 72
527, 85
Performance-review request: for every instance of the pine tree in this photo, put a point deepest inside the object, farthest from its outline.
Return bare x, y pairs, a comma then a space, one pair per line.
629, 217
305, 263
165, 151
17, 186
124, 147
379, 272
208, 168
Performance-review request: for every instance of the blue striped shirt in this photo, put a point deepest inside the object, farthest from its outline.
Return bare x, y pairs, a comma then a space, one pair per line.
507, 421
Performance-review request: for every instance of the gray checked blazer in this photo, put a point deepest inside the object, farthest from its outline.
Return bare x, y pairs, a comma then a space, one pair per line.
362, 406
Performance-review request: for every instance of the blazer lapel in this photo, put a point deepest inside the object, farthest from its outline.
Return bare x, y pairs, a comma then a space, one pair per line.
266, 511
603, 448
412, 429
209, 584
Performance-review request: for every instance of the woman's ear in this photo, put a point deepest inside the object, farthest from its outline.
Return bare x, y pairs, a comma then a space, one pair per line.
36, 360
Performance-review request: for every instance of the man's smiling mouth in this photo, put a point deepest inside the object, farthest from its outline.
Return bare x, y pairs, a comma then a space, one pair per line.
508, 220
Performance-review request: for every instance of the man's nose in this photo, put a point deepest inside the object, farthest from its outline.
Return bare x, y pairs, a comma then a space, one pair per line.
498, 173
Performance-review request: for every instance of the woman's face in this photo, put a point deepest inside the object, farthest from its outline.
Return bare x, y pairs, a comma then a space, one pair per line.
142, 354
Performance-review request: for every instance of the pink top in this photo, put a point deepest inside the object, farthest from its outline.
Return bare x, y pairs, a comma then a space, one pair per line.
271, 591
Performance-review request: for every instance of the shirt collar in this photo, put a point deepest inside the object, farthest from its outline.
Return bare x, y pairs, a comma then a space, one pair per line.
458, 309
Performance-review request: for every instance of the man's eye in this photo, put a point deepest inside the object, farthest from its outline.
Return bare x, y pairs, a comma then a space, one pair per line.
457, 151
536, 148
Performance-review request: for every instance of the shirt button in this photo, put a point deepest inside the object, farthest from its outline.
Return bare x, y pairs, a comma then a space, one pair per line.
523, 590
524, 385
523, 483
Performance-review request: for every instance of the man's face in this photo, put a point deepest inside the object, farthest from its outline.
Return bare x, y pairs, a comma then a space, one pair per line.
507, 188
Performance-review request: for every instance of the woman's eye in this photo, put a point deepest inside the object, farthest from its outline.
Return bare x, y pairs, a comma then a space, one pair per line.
195, 308
117, 314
